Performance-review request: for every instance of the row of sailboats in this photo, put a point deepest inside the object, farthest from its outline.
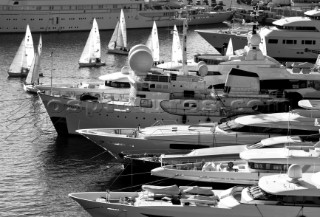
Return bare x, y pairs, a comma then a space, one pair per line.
27, 61
33, 76
91, 55
25, 58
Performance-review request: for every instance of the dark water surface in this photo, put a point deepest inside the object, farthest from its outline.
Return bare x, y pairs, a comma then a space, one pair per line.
38, 169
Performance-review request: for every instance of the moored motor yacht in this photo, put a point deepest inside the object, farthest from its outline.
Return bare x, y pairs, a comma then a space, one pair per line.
289, 38
232, 152
248, 129
295, 84
291, 194
248, 166
148, 87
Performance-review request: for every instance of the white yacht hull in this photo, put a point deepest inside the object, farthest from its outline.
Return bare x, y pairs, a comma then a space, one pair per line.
161, 141
100, 208
69, 115
231, 177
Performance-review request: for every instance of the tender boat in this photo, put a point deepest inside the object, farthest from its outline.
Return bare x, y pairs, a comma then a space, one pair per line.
291, 194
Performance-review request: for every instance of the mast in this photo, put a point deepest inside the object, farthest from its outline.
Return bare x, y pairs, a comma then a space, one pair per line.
184, 47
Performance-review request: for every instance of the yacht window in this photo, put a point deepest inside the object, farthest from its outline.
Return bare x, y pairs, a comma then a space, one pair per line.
152, 86
158, 86
141, 95
146, 103
273, 41
316, 85
165, 87
268, 166
188, 94
307, 28
289, 41
308, 42
190, 105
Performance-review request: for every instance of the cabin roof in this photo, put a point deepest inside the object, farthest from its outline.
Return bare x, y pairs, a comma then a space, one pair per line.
294, 21
281, 184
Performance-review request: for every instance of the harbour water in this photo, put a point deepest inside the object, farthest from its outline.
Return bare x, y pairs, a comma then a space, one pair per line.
38, 169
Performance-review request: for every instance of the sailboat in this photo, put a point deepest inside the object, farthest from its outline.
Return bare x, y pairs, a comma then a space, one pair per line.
229, 51
91, 55
33, 76
118, 41
22, 61
153, 44
176, 53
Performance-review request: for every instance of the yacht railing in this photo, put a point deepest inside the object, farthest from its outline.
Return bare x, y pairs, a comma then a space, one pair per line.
101, 96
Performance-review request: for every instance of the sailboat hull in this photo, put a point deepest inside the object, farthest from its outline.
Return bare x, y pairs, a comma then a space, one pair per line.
117, 51
92, 64
22, 74
30, 88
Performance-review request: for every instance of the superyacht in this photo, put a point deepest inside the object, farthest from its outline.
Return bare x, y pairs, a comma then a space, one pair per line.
78, 15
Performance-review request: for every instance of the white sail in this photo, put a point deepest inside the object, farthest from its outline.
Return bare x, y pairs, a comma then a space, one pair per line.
123, 28
96, 40
119, 41
91, 49
229, 51
25, 54
29, 48
153, 43
33, 75
114, 37
17, 62
176, 55
40, 45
